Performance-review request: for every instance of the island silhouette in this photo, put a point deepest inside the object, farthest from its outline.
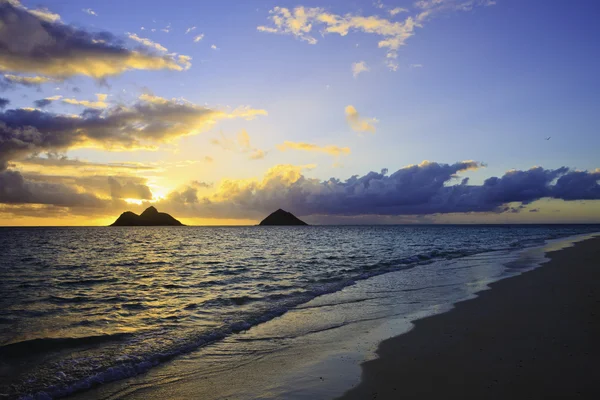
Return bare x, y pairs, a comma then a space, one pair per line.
150, 217
281, 217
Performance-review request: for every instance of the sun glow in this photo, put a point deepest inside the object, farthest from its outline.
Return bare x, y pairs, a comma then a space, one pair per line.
159, 192
134, 201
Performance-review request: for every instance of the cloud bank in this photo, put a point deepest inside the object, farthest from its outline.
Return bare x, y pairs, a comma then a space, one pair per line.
424, 189
429, 188
149, 121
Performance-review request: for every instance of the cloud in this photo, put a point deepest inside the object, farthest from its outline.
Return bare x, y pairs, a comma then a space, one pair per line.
10, 80
89, 11
32, 44
89, 104
424, 189
257, 154
415, 66
47, 101
357, 123
42, 103
199, 38
378, 4
359, 67
149, 121
146, 42
220, 203
188, 194
397, 10
240, 144
42, 13
15, 189
214, 47
3, 103
188, 30
128, 189
60, 164
184, 61
428, 188
301, 21
297, 22
43, 194
429, 8
332, 150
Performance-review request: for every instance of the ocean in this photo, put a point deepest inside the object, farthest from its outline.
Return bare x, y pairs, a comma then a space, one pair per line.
83, 307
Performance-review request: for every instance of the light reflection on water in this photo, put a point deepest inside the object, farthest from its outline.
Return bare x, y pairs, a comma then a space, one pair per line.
128, 298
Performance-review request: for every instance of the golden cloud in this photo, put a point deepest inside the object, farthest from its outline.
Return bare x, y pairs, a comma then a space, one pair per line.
146, 42
241, 144
90, 104
357, 123
26, 80
149, 121
300, 21
331, 149
35, 43
359, 67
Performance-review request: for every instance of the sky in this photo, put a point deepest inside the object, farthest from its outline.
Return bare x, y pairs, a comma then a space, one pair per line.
342, 112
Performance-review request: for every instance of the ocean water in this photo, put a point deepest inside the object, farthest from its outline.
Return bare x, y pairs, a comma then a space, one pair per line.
81, 307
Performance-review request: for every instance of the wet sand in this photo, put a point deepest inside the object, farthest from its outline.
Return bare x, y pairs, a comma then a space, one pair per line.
532, 336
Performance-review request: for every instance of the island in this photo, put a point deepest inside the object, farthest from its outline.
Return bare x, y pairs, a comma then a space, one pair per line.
150, 217
281, 217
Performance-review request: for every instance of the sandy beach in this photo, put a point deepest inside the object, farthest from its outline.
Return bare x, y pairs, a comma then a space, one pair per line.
532, 336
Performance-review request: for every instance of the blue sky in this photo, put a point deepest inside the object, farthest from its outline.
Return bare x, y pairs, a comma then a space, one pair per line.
478, 80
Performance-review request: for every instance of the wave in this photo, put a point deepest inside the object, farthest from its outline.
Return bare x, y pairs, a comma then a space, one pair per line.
46, 345
278, 305
64, 299
88, 282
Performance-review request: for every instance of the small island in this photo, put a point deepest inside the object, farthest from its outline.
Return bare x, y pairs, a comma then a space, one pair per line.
150, 217
281, 217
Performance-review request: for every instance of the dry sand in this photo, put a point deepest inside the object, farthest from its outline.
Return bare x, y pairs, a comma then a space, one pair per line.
533, 336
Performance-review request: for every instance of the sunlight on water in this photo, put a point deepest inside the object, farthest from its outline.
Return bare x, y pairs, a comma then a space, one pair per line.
99, 304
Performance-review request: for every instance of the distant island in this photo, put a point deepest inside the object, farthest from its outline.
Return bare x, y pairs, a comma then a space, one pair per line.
281, 217
150, 217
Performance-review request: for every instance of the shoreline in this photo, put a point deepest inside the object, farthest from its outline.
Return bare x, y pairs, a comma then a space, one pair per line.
533, 335
327, 362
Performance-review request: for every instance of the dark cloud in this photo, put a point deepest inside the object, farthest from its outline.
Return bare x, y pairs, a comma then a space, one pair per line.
150, 120
41, 103
521, 186
101, 185
128, 189
578, 185
188, 194
15, 189
4, 102
58, 160
422, 189
37, 42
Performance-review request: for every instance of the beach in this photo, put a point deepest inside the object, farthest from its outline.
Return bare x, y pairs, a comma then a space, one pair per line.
532, 336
